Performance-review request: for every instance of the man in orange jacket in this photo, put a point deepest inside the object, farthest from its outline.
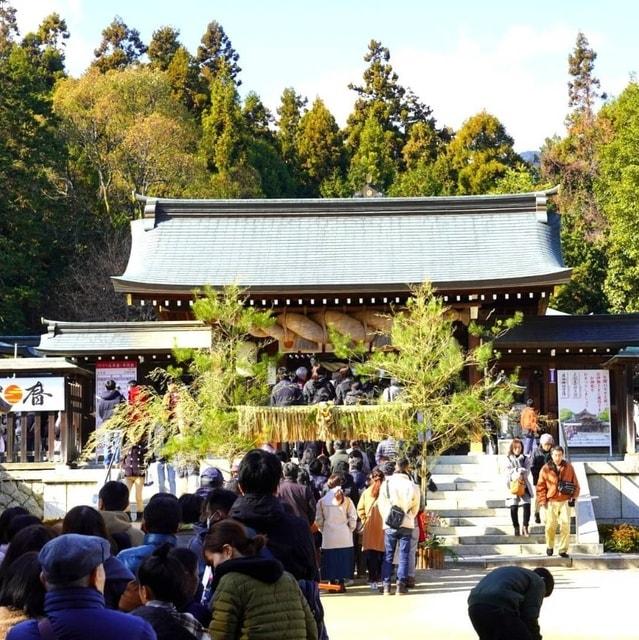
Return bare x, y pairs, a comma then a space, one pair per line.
557, 489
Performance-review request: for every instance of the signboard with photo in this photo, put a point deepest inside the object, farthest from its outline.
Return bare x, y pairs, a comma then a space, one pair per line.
32, 394
584, 407
120, 371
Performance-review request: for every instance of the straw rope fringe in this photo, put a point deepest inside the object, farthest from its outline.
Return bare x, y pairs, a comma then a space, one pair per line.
325, 421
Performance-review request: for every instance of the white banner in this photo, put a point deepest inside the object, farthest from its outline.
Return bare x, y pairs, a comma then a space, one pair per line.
584, 407
33, 394
120, 371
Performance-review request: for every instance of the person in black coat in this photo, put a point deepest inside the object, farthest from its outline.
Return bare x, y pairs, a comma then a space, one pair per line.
541, 456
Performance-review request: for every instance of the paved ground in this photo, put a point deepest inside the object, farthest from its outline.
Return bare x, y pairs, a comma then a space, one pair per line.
586, 605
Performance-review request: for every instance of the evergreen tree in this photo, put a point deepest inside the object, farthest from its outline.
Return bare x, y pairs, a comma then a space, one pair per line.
290, 114
257, 117
572, 163
480, 154
184, 75
373, 162
163, 47
216, 53
120, 47
33, 233
46, 46
319, 147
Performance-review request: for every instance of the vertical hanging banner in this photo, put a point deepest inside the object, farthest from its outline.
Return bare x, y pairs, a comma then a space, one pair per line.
120, 371
584, 407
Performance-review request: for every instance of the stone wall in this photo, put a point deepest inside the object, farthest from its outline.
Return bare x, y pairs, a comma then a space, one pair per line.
614, 487
19, 493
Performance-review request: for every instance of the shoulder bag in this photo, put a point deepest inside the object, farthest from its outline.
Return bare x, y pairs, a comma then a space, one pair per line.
395, 518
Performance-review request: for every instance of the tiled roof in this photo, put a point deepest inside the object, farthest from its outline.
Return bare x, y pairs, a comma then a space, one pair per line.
344, 245
122, 337
573, 331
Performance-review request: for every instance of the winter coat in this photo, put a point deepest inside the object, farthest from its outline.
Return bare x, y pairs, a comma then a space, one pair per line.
107, 403
166, 625
134, 557
373, 527
288, 537
117, 576
516, 467
285, 393
340, 455
516, 590
118, 522
255, 598
399, 490
317, 485
134, 463
299, 497
547, 485
336, 520
80, 613
10, 617
539, 459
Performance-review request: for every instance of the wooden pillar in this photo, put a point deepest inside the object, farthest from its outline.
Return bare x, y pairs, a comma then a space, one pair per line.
37, 438
11, 437
51, 437
621, 417
24, 436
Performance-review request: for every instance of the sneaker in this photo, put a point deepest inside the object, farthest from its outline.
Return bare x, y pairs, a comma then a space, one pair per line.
386, 589
402, 589
564, 554
548, 552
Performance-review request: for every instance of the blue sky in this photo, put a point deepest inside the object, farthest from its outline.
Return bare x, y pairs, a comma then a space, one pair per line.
462, 56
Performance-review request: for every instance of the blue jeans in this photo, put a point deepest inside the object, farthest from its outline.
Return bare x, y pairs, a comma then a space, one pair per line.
166, 471
393, 537
529, 443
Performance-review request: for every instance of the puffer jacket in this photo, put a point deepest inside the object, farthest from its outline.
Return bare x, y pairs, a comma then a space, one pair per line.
255, 598
549, 477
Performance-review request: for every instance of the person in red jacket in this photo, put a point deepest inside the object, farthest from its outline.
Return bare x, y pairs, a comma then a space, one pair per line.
557, 489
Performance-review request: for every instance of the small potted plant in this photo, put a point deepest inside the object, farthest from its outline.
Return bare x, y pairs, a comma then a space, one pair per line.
433, 548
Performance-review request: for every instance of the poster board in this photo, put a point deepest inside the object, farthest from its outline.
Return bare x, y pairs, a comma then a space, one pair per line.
584, 408
33, 394
120, 371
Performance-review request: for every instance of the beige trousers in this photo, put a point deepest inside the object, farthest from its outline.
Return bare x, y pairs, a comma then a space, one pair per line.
138, 481
558, 512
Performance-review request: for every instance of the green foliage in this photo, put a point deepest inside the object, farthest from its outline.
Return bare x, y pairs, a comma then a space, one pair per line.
45, 47
520, 179
120, 47
33, 238
430, 364
480, 154
216, 54
319, 146
164, 45
566, 414
128, 130
290, 114
616, 189
620, 538
583, 88
372, 162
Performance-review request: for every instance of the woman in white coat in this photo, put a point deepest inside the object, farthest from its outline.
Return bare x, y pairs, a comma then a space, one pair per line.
336, 518
518, 469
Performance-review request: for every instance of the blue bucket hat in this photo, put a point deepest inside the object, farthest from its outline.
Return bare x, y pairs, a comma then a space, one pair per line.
71, 556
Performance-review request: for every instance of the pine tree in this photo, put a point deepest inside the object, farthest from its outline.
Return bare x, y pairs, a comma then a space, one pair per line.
46, 47
572, 163
8, 27
120, 47
216, 52
184, 75
163, 47
290, 114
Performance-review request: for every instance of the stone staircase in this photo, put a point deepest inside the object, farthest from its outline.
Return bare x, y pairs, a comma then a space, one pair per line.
474, 520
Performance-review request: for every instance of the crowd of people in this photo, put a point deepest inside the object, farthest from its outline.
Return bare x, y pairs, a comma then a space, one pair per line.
341, 387
243, 557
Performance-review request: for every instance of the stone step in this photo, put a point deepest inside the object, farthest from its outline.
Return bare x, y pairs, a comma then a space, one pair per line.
477, 459
576, 561
505, 529
472, 495
500, 539
470, 470
480, 550
465, 503
480, 521
450, 482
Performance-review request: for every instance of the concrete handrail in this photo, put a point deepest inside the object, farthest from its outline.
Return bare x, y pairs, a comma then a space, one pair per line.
586, 523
